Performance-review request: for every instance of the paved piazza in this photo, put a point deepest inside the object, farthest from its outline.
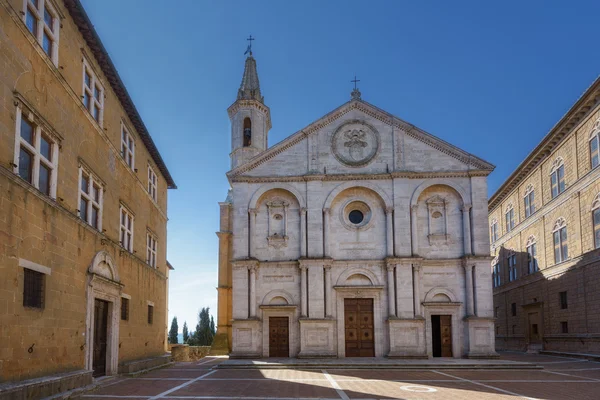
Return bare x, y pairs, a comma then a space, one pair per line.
561, 378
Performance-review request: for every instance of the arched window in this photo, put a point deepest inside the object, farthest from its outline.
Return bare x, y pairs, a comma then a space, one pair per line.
247, 132
496, 272
557, 177
532, 263
559, 233
512, 265
594, 144
494, 230
529, 200
596, 220
510, 218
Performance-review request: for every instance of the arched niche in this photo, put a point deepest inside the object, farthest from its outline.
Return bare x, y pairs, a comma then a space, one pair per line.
277, 297
271, 186
441, 295
386, 201
442, 182
363, 275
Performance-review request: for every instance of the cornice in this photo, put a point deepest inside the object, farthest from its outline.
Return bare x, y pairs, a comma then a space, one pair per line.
359, 177
375, 113
577, 114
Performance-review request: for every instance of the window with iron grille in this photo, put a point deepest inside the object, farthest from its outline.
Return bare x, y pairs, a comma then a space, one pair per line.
150, 314
562, 296
564, 327
124, 309
513, 309
33, 289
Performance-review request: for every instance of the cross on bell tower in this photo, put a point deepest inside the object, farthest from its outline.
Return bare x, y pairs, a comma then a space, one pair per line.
355, 94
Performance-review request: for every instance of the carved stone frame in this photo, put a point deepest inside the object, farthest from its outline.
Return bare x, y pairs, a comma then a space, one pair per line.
350, 163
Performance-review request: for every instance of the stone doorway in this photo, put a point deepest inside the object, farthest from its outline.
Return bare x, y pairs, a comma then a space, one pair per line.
534, 327
359, 328
279, 337
441, 335
100, 337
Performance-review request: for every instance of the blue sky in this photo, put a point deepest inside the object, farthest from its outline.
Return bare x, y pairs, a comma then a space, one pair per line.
489, 77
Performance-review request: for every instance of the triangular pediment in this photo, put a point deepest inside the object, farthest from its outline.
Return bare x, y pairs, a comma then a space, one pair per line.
359, 138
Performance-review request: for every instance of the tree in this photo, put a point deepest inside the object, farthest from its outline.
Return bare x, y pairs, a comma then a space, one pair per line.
212, 326
204, 333
186, 334
173, 332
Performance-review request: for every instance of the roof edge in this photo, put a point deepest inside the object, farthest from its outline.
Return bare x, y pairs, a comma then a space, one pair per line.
549, 142
86, 28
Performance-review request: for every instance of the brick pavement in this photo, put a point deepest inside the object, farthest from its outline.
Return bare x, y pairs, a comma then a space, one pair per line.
561, 378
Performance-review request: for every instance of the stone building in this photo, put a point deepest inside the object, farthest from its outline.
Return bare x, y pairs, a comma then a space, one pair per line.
545, 232
359, 235
83, 206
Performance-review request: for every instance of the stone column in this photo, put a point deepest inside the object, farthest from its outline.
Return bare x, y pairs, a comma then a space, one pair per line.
303, 232
390, 231
391, 291
469, 288
252, 285
251, 229
303, 294
413, 229
417, 289
328, 291
467, 228
326, 232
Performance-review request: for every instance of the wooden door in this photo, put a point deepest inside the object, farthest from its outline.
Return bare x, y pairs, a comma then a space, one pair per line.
100, 337
358, 328
446, 335
534, 328
279, 338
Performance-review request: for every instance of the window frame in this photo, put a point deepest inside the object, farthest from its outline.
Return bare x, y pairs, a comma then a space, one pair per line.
95, 82
150, 314
124, 229
559, 186
511, 260
563, 300
509, 217
125, 149
529, 201
151, 253
92, 182
125, 304
560, 230
30, 300
35, 152
494, 230
42, 28
152, 183
596, 227
532, 267
594, 138
496, 277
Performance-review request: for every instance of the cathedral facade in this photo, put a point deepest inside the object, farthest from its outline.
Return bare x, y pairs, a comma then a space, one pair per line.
358, 236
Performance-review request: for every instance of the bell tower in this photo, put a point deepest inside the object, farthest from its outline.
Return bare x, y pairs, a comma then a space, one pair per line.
250, 117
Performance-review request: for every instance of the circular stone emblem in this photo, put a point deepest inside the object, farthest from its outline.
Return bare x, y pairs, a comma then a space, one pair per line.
355, 143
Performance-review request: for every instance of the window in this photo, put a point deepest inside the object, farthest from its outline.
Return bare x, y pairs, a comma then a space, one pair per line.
532, 263
152, 183
93, 93
150, 314
124, 309
513, 309
562, 299
510, 218
42, 21
497, 329
529, 201
247, 132
594, 155
36, 155
534, 329
494, 231
512, 266
561, 250
514, 329
151, 250
496, 274
564, 327
127, 147
496, 311
596, 220
557, 177
90, 199
33, 289
126, 236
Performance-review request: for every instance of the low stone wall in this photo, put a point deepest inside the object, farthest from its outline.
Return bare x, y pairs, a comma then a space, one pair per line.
45, 386
184, 352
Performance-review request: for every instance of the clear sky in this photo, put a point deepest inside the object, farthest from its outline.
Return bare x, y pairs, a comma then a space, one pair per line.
489, 77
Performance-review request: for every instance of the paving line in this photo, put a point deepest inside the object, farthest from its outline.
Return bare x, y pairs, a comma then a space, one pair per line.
335, 385
563, 362
113, 396
208, 361
484, 385
158, 396
162, 379
247, 398
569, 375
267, 379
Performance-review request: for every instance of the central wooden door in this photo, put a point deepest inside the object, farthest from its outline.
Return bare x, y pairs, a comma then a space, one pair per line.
358, 328
279, 337
100, 337
441, 335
